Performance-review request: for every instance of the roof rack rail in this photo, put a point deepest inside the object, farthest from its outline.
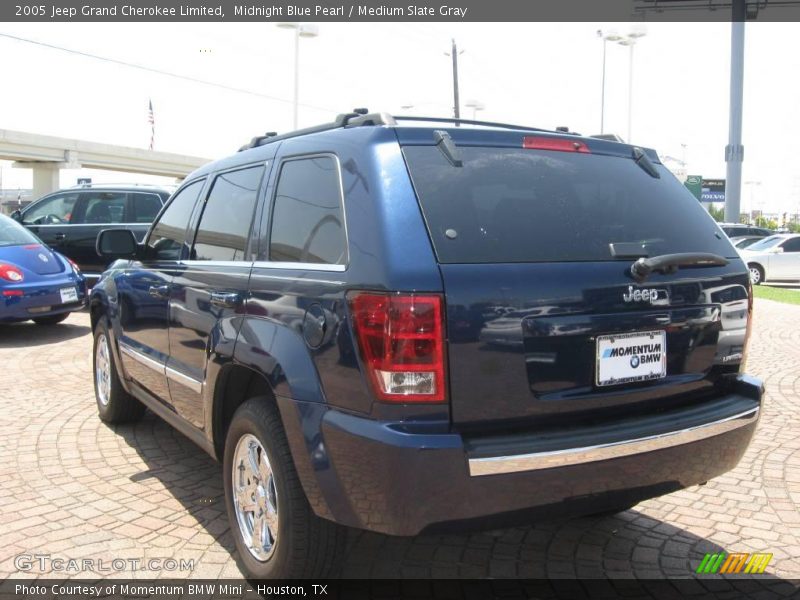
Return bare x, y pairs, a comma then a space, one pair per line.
359, 117
469, 122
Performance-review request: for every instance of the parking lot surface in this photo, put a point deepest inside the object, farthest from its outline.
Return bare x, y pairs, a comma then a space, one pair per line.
72, 487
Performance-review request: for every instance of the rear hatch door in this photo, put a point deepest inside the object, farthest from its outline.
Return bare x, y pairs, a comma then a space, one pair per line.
545, 323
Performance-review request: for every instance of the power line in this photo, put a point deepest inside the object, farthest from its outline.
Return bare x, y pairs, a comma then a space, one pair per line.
160, 72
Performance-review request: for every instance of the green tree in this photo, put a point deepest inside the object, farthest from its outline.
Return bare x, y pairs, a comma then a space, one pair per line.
762, 221
718, 214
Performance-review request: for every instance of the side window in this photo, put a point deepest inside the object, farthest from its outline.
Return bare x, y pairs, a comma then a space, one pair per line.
101, 207
56, 210
167, 236
307, 216
144, 207
227, 216
792, 245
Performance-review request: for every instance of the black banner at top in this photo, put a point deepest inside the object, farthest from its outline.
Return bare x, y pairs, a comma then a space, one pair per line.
397, 10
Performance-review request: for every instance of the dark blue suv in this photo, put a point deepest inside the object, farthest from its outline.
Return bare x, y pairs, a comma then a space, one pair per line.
407, 324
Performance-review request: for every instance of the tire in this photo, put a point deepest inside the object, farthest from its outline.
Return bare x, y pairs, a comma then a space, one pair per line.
51, 319
302, 544
114, 404
756, 274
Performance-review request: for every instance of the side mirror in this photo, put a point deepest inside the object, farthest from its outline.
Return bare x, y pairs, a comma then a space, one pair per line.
777, 250
116, 243
17, 216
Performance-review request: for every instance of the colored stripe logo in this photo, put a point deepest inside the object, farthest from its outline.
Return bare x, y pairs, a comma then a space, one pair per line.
735, 562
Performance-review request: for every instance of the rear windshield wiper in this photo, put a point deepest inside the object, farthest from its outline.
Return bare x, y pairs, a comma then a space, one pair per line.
669, 263
448, 147
640, 158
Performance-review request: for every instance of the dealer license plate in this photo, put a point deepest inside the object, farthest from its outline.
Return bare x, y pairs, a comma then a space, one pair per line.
69, 294
631, 357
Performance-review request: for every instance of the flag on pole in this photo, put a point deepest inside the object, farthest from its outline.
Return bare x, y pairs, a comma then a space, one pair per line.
152, 120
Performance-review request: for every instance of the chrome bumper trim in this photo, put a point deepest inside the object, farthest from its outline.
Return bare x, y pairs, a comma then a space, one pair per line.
496, 465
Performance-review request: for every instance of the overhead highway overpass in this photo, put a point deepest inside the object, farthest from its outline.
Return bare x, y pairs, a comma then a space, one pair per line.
47, 155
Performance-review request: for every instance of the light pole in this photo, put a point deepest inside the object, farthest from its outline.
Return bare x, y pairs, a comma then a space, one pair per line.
751, 184
305, 31
609, 36
475, 105
454, 52
630, 41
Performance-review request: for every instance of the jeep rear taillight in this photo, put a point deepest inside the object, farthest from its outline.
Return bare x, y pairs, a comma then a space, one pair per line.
401, 340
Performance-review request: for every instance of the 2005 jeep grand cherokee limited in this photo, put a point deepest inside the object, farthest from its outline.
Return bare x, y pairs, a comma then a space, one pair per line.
408, 324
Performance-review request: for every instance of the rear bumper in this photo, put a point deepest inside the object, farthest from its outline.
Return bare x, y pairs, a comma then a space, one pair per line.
376, 476
683, 428
41, 300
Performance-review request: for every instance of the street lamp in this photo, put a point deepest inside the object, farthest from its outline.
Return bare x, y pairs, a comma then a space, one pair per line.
628, 40
421, 105
301, 30
752, 184
607, 36
475, 105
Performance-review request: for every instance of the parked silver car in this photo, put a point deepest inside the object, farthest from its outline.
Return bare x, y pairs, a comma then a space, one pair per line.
744, 241
776, 257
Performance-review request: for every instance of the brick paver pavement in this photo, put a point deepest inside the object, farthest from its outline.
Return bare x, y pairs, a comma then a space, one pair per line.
74, 488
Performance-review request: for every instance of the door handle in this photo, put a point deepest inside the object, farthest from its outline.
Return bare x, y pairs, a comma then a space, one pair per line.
225, 299
159, 291
59, 237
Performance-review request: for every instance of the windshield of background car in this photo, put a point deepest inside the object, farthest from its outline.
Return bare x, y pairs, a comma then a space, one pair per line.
509, 205
14, 234
766, 243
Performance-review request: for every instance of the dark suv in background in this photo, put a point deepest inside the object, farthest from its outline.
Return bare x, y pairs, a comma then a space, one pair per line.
407, 324
69, 220
741, 230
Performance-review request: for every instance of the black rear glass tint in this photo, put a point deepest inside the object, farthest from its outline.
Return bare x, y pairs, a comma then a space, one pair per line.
515, 205
307, 218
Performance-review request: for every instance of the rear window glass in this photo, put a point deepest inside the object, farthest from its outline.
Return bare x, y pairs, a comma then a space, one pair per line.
14, 234
307, 218
515, 205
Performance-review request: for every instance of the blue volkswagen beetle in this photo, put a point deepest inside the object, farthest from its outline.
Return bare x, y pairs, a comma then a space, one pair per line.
35, 282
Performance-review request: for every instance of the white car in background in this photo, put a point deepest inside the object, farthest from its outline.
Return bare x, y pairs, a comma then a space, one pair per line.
776, 257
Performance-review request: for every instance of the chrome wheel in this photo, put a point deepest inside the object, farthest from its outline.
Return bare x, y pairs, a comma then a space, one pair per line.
255, 499
102, 369
755, 275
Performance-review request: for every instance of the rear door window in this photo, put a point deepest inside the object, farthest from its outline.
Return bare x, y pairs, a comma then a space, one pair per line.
791, 245
99, 208
227, 216
507, 205
307, 216
144, 207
